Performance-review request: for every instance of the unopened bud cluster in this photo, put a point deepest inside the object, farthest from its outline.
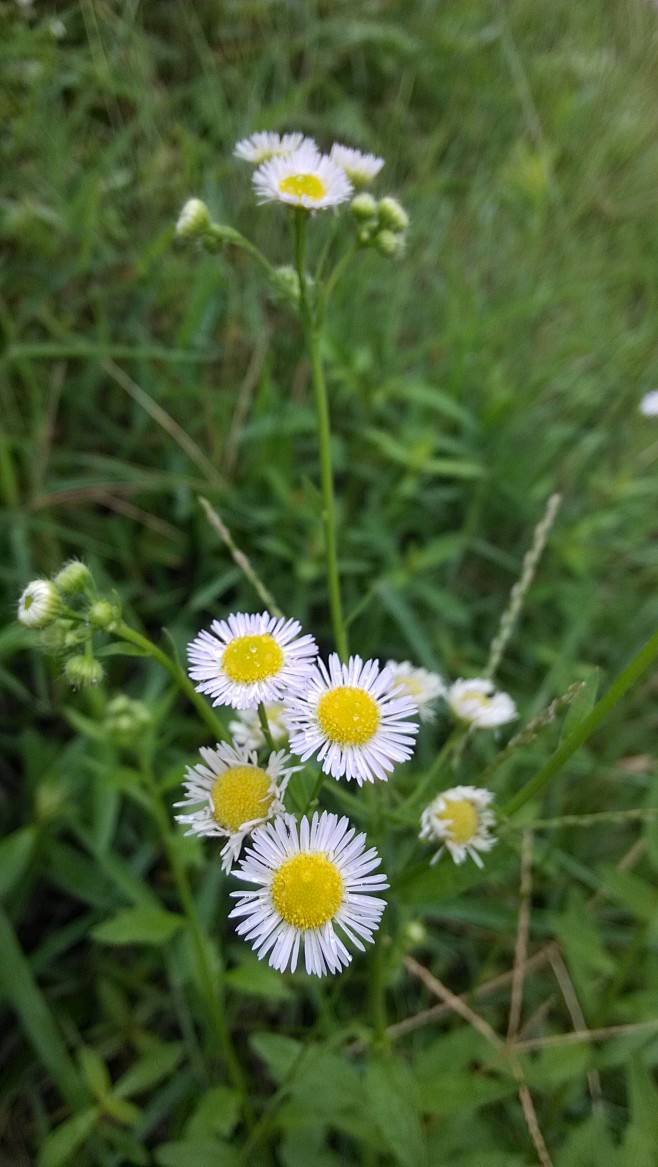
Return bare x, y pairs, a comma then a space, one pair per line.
126, 720
380, 223
66, 612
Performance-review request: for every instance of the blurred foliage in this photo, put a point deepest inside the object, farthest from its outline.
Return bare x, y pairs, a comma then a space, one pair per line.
501, 360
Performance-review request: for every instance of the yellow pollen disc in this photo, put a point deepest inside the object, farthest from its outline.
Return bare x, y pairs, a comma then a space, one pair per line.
410, 686
348, 716
303, 184
240, 795
252, 658
479, 698
463, 820
307, 890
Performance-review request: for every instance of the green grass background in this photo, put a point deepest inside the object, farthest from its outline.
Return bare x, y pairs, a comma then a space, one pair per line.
501, 360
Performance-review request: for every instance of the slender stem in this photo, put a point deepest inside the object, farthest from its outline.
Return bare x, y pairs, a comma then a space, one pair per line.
212, 986
313, 796
265, 726
312, 335
619, 687
445, 751
125, 632
377, 988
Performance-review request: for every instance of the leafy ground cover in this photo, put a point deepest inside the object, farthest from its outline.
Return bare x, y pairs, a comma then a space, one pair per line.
503, 359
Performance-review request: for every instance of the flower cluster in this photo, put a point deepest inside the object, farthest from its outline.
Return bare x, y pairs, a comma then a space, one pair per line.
351, 720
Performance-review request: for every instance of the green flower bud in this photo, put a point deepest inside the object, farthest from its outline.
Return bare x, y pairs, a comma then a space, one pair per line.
392, 214
363, 207
389, 244
103, 614
285, 285
54, 638
73, 577
126, 720
193, 220
81, 671
40, 604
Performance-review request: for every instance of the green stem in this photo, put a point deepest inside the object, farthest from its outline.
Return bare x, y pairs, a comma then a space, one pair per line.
176, 673
265, 726
619, 687
213, 988
313, 796
448, 746
377, 987
312, 336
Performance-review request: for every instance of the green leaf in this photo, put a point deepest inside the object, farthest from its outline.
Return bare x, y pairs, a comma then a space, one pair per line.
159, 1062
259, 980
15, 854
392, 1096
202, 1153
60, 1146
17, 983
139, 926
278, 1052
216, 1114
637, 896
95, 1072
122, 1111
589, 1145
580, 938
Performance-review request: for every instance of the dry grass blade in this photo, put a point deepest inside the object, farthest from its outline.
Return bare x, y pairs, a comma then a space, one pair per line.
218, 525
577, 1016
457, 1005
164, 420
521, 946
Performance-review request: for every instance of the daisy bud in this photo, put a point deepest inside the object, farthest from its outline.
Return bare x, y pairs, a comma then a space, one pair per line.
285, 284
392, 214
103, 615
73, 577
389, 244
126, 720
363, 207
40, 604
193, 220
54, 638
81, 671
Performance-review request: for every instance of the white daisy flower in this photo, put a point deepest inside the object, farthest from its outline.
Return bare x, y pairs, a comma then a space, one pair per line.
350, 716
304, 178
250, 658
265, 145
460, 821
237, 794
359, 168
313, 877
39, 604
421, 685
476, 702
649, 404
247, 731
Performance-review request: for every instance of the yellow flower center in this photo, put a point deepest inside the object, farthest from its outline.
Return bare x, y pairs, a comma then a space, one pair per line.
410, 686
303, 184
307, 890
479, 698
348, 715
252, 658
463, 820
240, 795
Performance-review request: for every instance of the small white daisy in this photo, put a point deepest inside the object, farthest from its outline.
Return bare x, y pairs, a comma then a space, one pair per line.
39, 604
314, 877
649, 404
421, 685
247, 731
265, 145
476, 702
304, 178
460, 821
237, 793
359, 168
352, 718
250, 658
